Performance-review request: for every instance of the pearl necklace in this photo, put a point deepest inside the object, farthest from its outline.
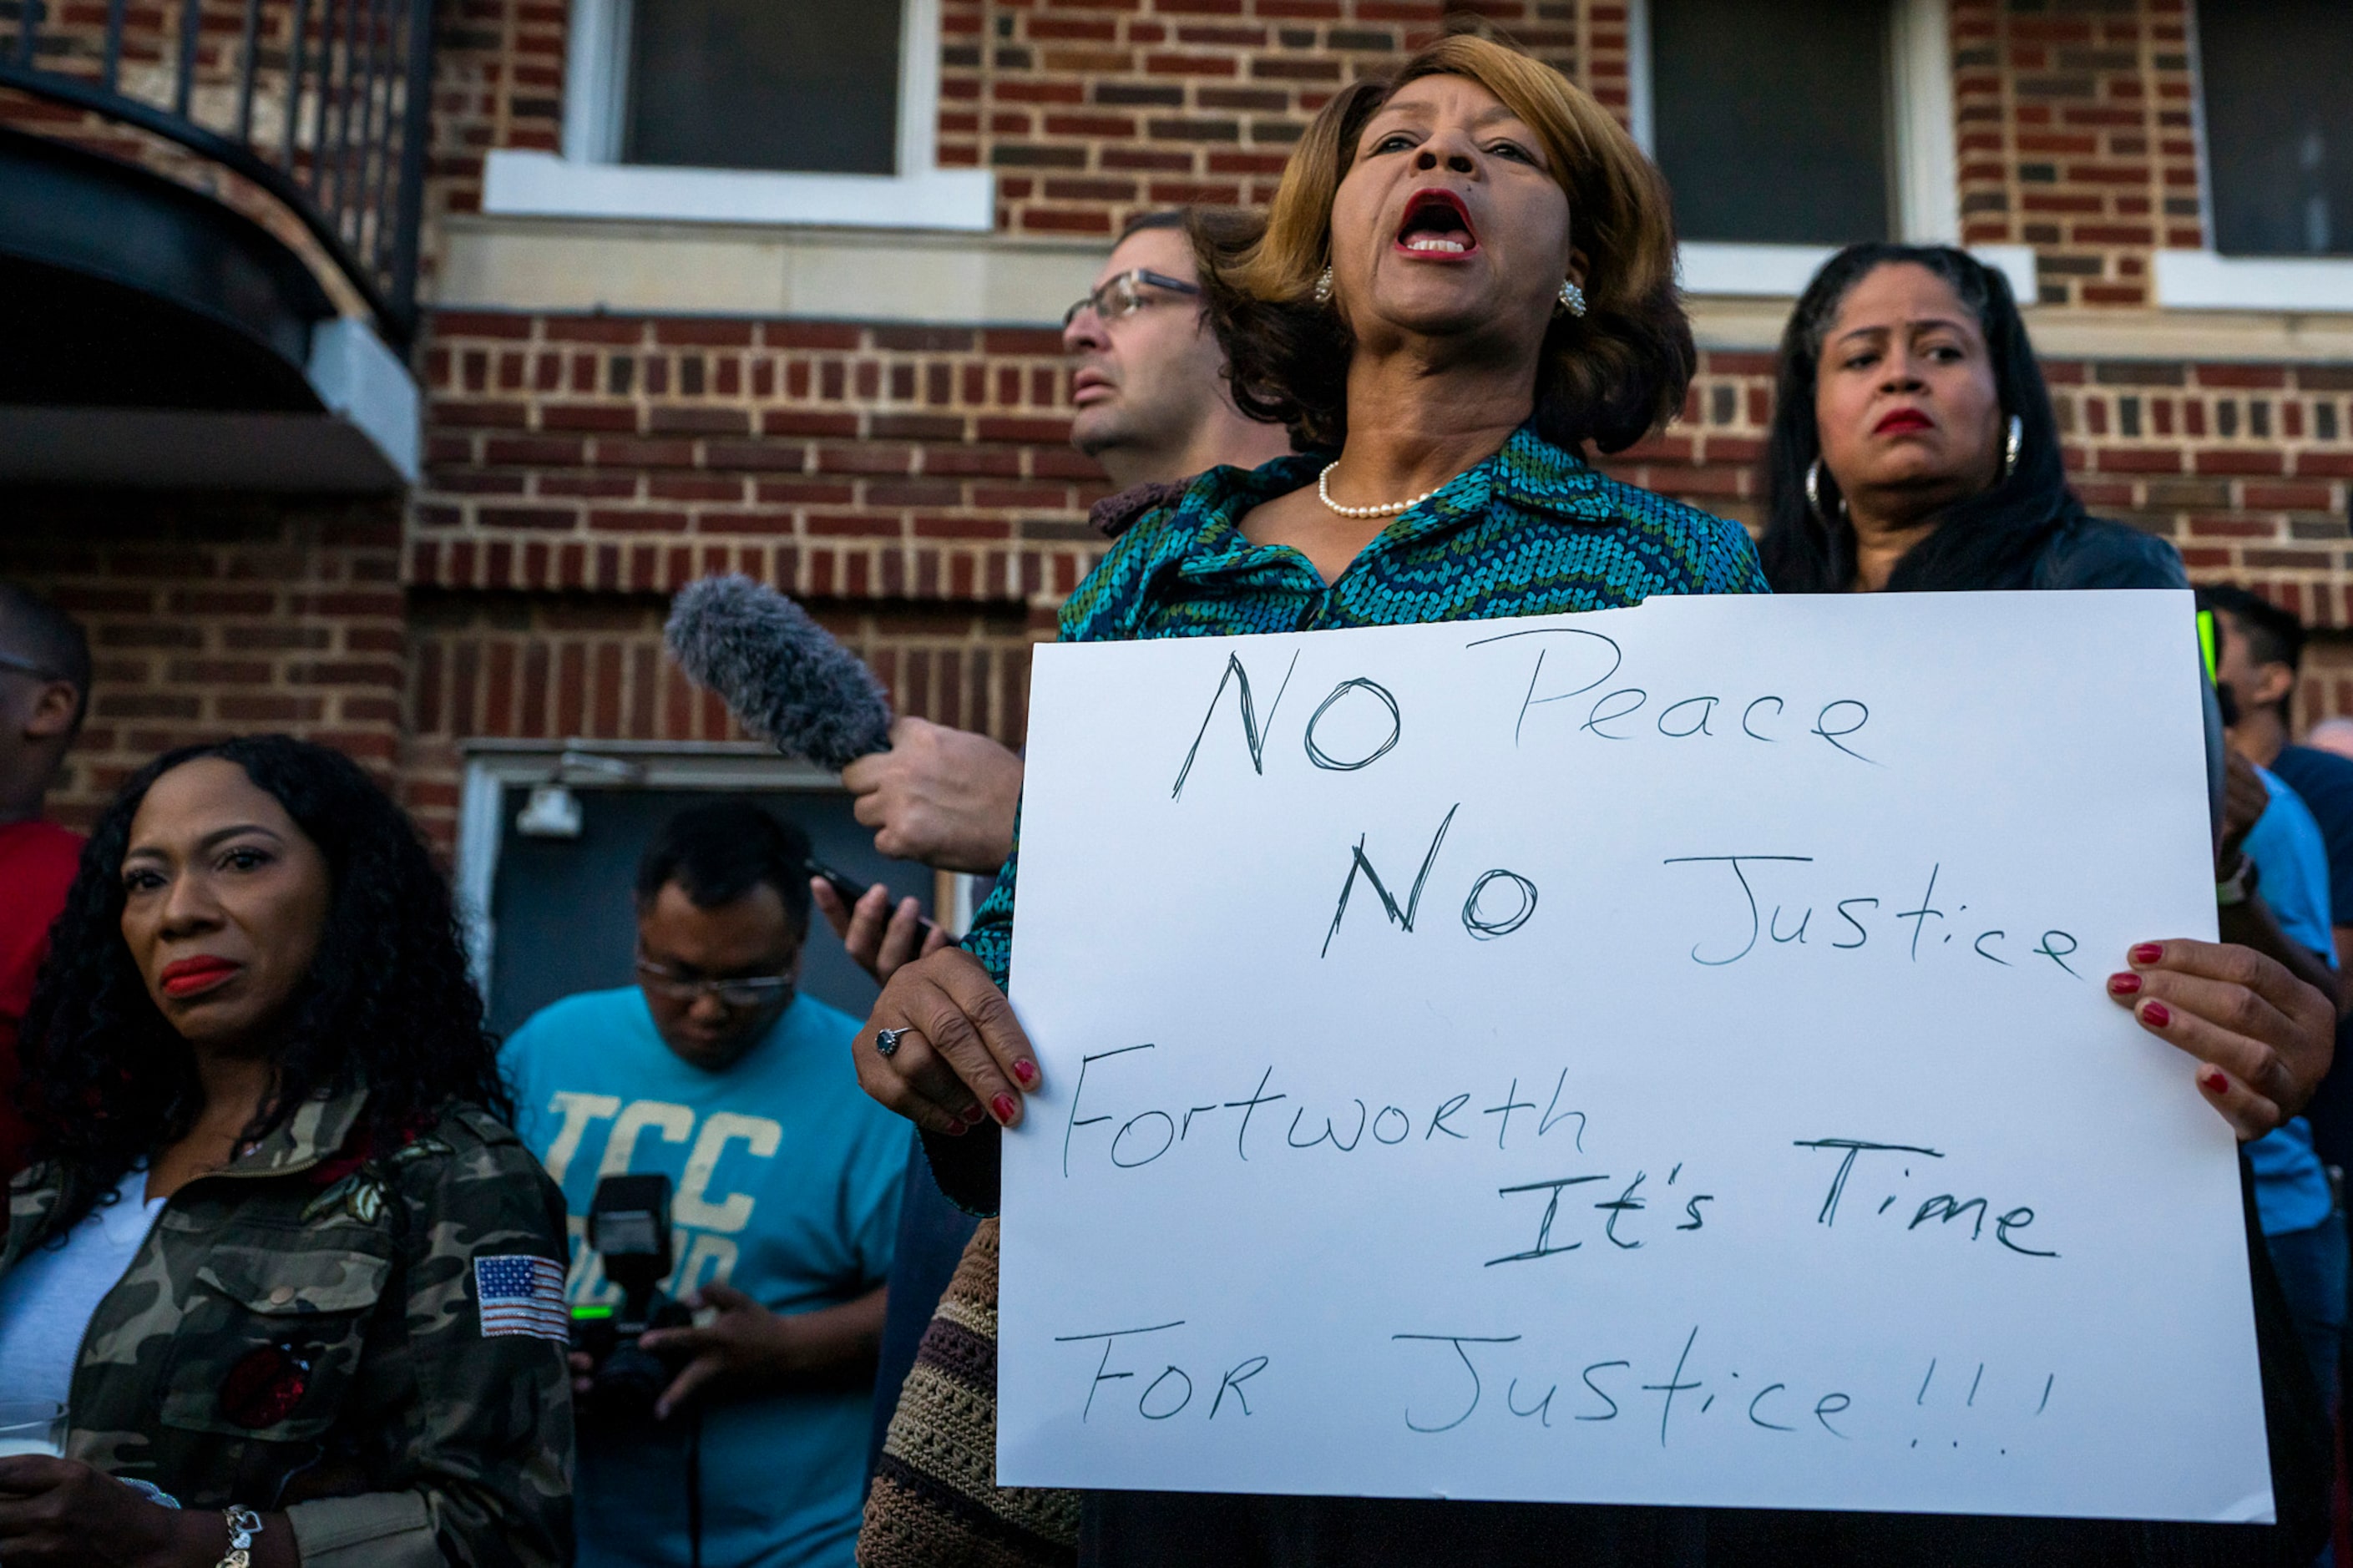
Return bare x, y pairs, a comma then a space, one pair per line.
1323, 494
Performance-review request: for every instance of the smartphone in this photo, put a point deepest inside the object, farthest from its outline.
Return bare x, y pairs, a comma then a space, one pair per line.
849, 892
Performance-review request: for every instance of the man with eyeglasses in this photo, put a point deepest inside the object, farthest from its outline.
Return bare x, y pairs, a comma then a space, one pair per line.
1151, 405
44, 692
714, 1071
1150, 402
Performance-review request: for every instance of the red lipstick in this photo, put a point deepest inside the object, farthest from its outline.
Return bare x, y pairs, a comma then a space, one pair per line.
191, 976
1903, 422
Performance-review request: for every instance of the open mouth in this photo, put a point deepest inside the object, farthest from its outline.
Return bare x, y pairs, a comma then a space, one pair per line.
1437, 223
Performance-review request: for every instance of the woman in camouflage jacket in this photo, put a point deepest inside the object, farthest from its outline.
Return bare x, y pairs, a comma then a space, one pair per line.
339, 1337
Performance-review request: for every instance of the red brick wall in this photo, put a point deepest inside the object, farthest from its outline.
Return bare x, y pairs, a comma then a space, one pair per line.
877, 462
216, 618
560, 667
2076, 136
2247, 468
1090, 111
497, 81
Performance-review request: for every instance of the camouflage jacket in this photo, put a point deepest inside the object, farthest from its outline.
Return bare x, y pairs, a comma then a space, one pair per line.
301, 1330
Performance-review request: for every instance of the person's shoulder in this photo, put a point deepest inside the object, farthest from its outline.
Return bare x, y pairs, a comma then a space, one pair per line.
813, 1019
1115, 514
41, 850
469, 1188
1154, 527
1717, 553
2095, 552
468, 1151
1685, 549
2289, 801
567, 1018
1635, 507
465, 1129
2310, 772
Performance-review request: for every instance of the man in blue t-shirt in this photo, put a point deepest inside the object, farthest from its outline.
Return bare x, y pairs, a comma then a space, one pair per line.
2261, 648
2293, 1201
785, 1184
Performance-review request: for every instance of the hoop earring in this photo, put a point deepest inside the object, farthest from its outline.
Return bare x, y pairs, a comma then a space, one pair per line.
1324, 286
1572, 298
2010, 448
1814, 492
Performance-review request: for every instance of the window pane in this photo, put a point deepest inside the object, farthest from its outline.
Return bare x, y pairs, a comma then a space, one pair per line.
1771, 118
764, 84
2278, 76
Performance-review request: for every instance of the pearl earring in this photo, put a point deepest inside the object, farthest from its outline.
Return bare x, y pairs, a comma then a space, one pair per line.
1572, 297
1324, 286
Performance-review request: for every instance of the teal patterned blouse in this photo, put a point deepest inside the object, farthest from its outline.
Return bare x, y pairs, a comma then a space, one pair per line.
1532, 530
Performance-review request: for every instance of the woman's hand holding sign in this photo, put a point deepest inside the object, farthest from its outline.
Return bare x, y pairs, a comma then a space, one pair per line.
942, 1048
2261, 1038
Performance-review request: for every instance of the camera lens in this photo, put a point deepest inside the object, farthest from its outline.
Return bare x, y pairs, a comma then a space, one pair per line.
629, 1381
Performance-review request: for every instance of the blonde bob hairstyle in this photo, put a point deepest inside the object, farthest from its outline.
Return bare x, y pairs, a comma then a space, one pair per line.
1609, 377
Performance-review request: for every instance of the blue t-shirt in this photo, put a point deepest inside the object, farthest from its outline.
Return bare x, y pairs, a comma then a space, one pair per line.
2324, 783
2292, 874
786, 1182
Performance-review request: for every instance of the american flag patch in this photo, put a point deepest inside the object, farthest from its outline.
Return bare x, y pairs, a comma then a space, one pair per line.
522, 1295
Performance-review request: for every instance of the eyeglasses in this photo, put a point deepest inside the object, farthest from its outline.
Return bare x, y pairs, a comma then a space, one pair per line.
26, 666
741, 992
1123, 295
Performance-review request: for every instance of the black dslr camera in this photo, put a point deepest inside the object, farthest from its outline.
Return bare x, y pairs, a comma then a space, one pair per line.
628, 1227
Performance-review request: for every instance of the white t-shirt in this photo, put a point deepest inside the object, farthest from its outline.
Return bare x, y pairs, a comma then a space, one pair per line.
47, 1300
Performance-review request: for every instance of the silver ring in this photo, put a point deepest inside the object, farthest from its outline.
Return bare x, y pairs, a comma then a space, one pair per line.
886, 1041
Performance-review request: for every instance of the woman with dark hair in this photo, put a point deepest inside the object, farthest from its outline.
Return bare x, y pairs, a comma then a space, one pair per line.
1913, 448
277, 1257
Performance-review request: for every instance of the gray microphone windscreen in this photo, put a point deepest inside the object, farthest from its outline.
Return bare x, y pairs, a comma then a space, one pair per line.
786, 679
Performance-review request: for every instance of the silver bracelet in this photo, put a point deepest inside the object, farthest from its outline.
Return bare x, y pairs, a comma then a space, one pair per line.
244, 1524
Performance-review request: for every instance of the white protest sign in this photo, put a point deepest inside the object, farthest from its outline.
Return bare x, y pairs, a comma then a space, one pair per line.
1658, 1055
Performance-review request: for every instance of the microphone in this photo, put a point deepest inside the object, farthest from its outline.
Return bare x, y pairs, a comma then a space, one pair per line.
784, 677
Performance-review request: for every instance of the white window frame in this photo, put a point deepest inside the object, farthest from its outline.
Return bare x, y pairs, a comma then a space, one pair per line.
1927, 194
587, 182
2206, 280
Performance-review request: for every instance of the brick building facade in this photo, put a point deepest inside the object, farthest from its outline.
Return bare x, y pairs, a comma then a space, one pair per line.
874, 417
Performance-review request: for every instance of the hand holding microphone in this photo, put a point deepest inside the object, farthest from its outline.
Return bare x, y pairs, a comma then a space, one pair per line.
789, 681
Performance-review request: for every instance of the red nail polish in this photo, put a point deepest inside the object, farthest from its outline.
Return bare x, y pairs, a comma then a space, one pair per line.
2149, 953
973, 1114
1027, 1071
1004, 1107
2156, 1015
2123, 985
2215, 1083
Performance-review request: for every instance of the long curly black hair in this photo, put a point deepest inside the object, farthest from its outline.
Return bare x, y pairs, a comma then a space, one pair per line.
388, 1003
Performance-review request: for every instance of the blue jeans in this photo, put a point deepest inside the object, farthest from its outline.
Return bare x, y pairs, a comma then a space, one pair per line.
2311, 1265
